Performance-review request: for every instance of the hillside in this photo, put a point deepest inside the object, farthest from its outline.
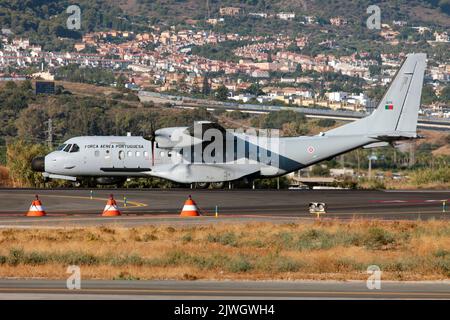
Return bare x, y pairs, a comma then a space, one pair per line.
428, 11
45, 20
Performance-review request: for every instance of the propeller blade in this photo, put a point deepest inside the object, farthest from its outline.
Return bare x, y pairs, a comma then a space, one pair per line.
153, 152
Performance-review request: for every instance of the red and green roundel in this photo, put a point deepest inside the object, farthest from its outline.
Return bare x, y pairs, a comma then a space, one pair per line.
389, 106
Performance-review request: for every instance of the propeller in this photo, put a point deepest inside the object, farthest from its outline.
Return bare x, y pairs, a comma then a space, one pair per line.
152, 138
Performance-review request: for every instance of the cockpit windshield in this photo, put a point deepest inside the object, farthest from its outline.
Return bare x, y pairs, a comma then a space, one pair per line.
75, 148
61, 147
67, 148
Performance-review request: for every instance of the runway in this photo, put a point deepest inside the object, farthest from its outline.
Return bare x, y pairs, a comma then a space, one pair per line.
80, 207
215, 290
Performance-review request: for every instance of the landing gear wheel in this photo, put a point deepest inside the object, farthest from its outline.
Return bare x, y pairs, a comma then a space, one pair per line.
76, 184
202, 185
217, 185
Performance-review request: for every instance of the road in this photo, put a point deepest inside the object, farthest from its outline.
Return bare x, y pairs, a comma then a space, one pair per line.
216, 290
75, 206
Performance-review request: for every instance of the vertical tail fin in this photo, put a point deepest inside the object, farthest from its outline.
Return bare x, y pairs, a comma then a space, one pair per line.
397, 112
399, 108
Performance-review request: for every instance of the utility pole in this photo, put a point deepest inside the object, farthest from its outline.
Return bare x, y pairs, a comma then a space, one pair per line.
49, 133
208, 10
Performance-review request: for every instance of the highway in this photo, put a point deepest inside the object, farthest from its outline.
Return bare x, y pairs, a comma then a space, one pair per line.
219, 290
75, 206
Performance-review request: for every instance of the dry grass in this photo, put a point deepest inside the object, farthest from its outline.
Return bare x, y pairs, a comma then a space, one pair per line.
323, 250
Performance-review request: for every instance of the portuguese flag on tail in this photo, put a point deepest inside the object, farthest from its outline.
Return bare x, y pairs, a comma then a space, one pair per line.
389, 106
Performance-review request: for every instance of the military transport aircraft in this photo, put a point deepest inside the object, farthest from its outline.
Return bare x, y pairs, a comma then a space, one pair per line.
207, 153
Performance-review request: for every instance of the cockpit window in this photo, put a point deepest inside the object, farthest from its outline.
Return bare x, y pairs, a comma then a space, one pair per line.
67, 148
61, 147
75, 148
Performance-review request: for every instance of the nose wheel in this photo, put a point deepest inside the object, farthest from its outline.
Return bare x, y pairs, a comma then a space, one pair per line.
217, 185
201, 185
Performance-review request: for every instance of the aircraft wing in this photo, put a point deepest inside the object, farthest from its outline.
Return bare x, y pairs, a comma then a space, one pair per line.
202, 172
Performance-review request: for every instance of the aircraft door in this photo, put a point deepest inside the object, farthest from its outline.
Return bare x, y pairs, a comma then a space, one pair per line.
108, 158
118, 158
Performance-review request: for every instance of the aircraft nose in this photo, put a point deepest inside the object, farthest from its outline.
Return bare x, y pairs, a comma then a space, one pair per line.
38, 164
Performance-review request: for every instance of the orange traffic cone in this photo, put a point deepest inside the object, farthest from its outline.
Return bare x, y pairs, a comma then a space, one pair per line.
111, 209
189, 208
36, 209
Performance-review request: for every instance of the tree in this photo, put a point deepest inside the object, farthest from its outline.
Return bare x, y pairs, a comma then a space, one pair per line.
428, 95
222, 93
18, 158
206, 88
254, 89
31, 124
445, 95
374, 70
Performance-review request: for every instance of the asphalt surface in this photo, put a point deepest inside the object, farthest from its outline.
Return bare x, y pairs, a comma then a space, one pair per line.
75, 206
214, 290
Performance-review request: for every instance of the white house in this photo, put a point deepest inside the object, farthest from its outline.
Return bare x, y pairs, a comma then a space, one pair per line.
337, 96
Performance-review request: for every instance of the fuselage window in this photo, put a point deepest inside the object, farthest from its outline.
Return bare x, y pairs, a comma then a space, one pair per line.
97, 153
130, 153
67, 148
121, 154
169, 154
138, 153
146, 155
61, 147
75, 148
161, 153
107, 154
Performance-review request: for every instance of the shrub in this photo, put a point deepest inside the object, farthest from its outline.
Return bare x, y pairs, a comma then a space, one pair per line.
15, 256
133, 259
226, 239
149, 237
377, 237
124, 275
240, 264
285, 239
284, 264
315, 239
36, 258
187, 237
76, 258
